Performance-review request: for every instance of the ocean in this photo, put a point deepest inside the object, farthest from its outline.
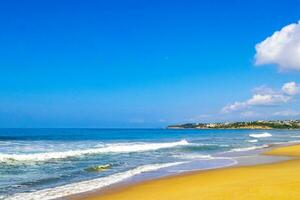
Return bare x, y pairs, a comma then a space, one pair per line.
52, 163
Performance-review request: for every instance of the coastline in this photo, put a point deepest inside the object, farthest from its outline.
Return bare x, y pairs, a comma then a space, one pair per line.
249, 125
221, 183
158, 154
246, 128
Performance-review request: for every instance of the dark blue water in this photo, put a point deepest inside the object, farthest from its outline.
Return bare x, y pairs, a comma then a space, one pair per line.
44, 163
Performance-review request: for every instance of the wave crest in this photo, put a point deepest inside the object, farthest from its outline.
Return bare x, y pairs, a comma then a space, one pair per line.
193, 157
252, 141
111, 148
261, 135
248, 148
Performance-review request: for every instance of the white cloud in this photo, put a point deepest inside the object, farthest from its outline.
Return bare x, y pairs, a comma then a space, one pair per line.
282, 48
265, 97
263, 90
287, 113
290, 88
233, 107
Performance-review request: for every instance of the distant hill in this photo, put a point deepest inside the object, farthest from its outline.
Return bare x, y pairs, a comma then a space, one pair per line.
260, 124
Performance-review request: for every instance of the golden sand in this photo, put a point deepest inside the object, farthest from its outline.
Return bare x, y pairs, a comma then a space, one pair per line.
278, 181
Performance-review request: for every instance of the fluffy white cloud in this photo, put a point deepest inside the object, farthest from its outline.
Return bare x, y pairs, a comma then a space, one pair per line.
263, 90
257, 100
233, 107
290, 88
265, 97
282, 48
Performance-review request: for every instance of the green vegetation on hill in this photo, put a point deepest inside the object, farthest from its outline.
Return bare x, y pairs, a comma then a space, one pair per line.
261, 124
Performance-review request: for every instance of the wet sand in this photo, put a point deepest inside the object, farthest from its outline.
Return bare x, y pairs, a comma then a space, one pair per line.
279, 180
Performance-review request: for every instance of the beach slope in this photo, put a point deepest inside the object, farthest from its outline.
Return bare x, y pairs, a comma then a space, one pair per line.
269, 181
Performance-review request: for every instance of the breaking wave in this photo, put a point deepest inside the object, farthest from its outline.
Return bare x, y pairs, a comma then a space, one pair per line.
193, 156
252, 141
261, 135
248, 148
85, 186
110, 148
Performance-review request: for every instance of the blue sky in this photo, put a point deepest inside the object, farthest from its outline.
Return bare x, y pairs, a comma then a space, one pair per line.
139, 63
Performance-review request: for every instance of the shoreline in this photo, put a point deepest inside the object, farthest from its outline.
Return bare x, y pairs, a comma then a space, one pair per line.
128, 190
179, 128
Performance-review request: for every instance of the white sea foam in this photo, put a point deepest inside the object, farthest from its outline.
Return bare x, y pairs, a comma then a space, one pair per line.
234, 162
219, 145
294, 141
252, 141
261, 135
110, 148
193, 156
85, 186
248, 148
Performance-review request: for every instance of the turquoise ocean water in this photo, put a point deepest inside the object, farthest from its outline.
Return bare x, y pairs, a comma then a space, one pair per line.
52, 163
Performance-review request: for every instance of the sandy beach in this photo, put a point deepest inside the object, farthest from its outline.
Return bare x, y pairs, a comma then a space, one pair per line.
279, 180
150, 100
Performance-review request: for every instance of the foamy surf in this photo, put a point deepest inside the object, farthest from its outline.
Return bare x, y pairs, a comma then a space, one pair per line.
85, 186
67, 156
110, 148
252, 141
261, 135
249, 148
193, 157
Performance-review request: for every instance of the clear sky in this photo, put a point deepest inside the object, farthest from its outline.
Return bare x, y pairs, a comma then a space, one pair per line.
141, 63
